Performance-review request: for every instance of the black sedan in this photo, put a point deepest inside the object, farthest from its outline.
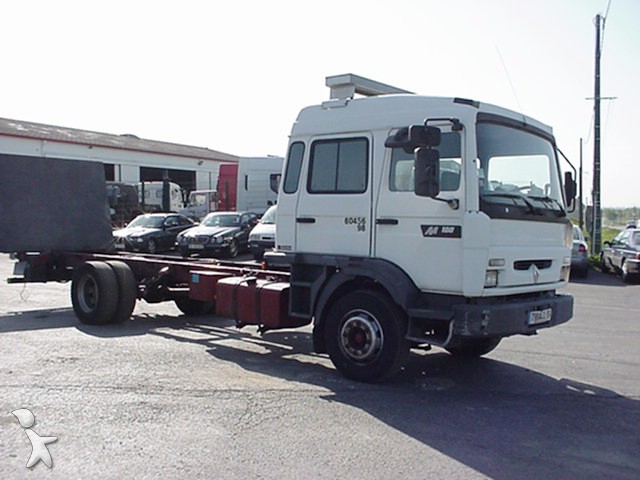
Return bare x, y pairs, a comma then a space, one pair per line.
623, 254
225, 233
152, 233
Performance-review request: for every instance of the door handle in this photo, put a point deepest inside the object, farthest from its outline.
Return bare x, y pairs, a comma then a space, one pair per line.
305, 220
386, 221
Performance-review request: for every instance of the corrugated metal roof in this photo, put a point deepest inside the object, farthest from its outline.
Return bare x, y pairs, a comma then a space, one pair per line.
18, 128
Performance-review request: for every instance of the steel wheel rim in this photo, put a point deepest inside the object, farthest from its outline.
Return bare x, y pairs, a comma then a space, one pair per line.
361, 337
88, 295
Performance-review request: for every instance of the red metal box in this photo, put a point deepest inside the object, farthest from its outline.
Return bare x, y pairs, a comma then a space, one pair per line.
274, 307
202, 285
253, 301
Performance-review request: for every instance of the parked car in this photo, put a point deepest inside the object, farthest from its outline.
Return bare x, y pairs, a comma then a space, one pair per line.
152, 232
220, 233
579, 254
263, 235
623, 254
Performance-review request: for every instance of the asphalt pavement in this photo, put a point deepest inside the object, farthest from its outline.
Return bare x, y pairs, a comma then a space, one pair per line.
166, 396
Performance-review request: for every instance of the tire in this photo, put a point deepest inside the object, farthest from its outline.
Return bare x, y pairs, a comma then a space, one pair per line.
473, 347
365, 336
94, 293
603, 265
192, 308
127, 291
626, 276
152, 246
233, 248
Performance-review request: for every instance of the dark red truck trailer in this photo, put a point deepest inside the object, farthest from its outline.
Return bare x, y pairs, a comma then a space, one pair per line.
63, 234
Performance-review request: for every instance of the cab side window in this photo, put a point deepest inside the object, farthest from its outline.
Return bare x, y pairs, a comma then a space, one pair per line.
401, 174
294, 165
339, 166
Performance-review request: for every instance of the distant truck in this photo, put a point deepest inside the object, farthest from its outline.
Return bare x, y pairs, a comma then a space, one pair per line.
124, 203
200, 203
249, 185
150, 195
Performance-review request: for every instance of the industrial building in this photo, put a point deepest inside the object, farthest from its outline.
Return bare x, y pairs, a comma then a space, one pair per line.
126, 158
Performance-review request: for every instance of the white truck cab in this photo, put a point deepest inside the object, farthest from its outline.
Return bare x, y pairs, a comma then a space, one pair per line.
411, 220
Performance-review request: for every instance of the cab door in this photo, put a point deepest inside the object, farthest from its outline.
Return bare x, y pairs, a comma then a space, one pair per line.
422, 235
333, 214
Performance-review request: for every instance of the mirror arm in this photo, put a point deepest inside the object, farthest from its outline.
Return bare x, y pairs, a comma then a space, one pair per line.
453, 203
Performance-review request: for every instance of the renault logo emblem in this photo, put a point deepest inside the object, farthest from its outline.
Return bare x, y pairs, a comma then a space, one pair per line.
535, 272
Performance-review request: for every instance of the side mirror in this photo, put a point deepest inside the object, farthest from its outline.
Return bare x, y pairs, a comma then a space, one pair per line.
427, 172
424, 136
569, 190
274, 182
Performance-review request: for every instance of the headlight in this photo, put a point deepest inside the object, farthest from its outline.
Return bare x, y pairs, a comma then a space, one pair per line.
491, 278
216, 240
253, 237
140, 240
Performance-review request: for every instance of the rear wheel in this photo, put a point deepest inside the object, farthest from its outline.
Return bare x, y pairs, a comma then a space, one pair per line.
473, 347
127, 291
365, 336
94, 293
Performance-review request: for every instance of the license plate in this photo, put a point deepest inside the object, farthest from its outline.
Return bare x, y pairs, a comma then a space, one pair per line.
540, 316
196, 247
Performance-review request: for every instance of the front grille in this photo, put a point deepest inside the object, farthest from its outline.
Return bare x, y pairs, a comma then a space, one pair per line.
197, 240
526, 264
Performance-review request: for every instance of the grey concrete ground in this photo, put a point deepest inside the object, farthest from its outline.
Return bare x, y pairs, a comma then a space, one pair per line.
163, 396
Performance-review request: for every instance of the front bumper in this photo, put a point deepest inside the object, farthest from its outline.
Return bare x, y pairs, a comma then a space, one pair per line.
124, 243
632, 266
512, 316
209, 249
261, 246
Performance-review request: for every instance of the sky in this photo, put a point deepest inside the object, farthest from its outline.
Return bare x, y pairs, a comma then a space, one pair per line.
232, 76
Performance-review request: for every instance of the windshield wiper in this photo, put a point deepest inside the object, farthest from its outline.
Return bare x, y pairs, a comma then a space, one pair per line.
530, 206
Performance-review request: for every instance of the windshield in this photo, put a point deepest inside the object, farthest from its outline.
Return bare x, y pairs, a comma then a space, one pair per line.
269, 218
518, 173
221, 220
147, 221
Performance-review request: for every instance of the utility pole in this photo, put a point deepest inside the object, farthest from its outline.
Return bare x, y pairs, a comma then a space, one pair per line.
597, 214
580, 206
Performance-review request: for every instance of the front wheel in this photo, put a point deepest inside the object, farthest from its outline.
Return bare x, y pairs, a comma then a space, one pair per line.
152, 246
365, 336
233, 248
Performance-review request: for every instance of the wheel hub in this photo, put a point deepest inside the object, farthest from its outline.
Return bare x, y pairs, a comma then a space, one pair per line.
361, 336
88, 293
